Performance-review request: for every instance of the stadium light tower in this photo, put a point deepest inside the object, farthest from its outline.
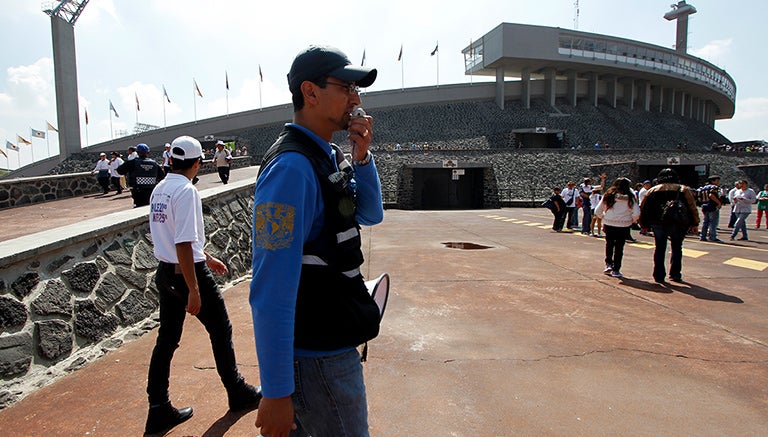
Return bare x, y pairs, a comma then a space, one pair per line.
680, 12
63, 16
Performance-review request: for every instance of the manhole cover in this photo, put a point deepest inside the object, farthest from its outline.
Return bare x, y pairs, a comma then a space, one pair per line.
466, 246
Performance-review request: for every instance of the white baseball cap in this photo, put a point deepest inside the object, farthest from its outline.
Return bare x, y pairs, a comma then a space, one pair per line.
186, 147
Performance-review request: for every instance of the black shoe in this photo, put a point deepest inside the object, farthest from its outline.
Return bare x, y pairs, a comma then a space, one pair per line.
659, 280
675, 279
743, 239
245, 397
163, 417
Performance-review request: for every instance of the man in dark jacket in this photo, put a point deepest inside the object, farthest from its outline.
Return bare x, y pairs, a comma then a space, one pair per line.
668, 189
143, 174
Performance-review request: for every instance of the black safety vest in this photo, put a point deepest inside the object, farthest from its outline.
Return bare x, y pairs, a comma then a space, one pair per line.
333, 308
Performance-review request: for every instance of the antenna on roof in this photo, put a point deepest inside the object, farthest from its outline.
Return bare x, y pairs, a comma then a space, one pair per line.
576, 15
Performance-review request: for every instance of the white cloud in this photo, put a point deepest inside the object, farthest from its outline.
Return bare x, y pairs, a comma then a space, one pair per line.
716, 49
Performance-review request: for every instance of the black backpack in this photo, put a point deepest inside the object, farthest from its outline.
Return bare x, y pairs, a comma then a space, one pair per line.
674, 213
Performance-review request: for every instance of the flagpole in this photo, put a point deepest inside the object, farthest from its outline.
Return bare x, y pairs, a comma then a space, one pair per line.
227, 102
438, 68
165, 123
260, 105
194, 98
402, 75
111, 131
47, 141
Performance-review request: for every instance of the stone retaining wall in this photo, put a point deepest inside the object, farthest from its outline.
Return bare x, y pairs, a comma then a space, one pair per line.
26, 191
69, 295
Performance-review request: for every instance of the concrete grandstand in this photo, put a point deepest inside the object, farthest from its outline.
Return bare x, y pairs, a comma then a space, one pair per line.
556, 91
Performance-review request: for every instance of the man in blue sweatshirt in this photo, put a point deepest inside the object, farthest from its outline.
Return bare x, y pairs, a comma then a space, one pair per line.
309, 303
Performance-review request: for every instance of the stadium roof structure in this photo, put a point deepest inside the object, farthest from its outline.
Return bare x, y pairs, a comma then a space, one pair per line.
562, 63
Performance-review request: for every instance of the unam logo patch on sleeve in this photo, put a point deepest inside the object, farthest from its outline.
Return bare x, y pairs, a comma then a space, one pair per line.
273, 225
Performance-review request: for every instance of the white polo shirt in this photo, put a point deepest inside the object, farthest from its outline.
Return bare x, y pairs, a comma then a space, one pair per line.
176, 216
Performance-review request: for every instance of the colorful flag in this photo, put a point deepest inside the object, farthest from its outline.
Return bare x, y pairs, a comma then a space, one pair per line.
21, 139
86, 113
138, 108
197, 89
165, 94
400, 56
10, 145
37, 133
226, 79
112, 108
261, 76
362, 63
434, 51
50, 127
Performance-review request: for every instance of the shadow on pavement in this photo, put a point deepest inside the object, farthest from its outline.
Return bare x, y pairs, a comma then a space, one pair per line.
700, 292
222, 425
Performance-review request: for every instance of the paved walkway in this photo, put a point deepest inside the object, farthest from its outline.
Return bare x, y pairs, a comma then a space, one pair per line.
526, 337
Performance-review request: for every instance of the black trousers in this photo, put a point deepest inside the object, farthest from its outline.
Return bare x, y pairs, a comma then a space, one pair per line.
223, 173
141, 196
213, 315
104, 182
615, 238
676, 237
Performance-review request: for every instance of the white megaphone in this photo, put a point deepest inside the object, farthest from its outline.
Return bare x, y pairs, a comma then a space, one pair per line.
379, 290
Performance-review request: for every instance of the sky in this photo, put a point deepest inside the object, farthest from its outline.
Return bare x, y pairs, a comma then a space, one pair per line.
131, 49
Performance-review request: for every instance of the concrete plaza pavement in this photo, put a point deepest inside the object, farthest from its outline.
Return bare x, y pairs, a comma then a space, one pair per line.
524, 337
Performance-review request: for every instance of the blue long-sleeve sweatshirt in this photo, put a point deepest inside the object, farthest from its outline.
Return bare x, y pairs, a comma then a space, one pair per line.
288, 212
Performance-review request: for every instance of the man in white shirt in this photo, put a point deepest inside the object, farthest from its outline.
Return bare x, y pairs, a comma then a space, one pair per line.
222, 158
186, 284
570, 194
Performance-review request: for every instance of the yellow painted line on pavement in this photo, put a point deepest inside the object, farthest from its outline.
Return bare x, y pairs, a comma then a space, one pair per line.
747, 264
520, 222
545, 227
642, 245
690, 253
532, 224
512, 220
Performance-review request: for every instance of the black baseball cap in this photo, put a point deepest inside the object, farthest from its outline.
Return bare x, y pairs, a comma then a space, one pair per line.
318, 61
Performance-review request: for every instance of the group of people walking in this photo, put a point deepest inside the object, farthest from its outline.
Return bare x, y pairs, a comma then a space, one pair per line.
666, 210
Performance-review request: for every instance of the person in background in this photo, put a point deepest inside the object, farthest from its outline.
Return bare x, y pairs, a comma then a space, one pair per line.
668, 188
116, 178
167, 159
222, 158
559, 211
743, 199
731, 193
144, 173
710, 209
618, 210
102, 172
585, 190
596, 221
570, 194
640, 197
185, 282
762, 206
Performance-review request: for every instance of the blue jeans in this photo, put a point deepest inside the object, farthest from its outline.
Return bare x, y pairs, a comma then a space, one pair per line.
740, 224
660, 235
329, 399
573, 217
586, 220
709, 226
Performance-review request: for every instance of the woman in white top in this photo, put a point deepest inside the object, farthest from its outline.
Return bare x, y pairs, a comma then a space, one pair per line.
618, 209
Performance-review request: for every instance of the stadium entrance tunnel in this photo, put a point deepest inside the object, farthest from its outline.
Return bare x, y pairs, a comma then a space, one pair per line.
450, 186
692, 173
539, 138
